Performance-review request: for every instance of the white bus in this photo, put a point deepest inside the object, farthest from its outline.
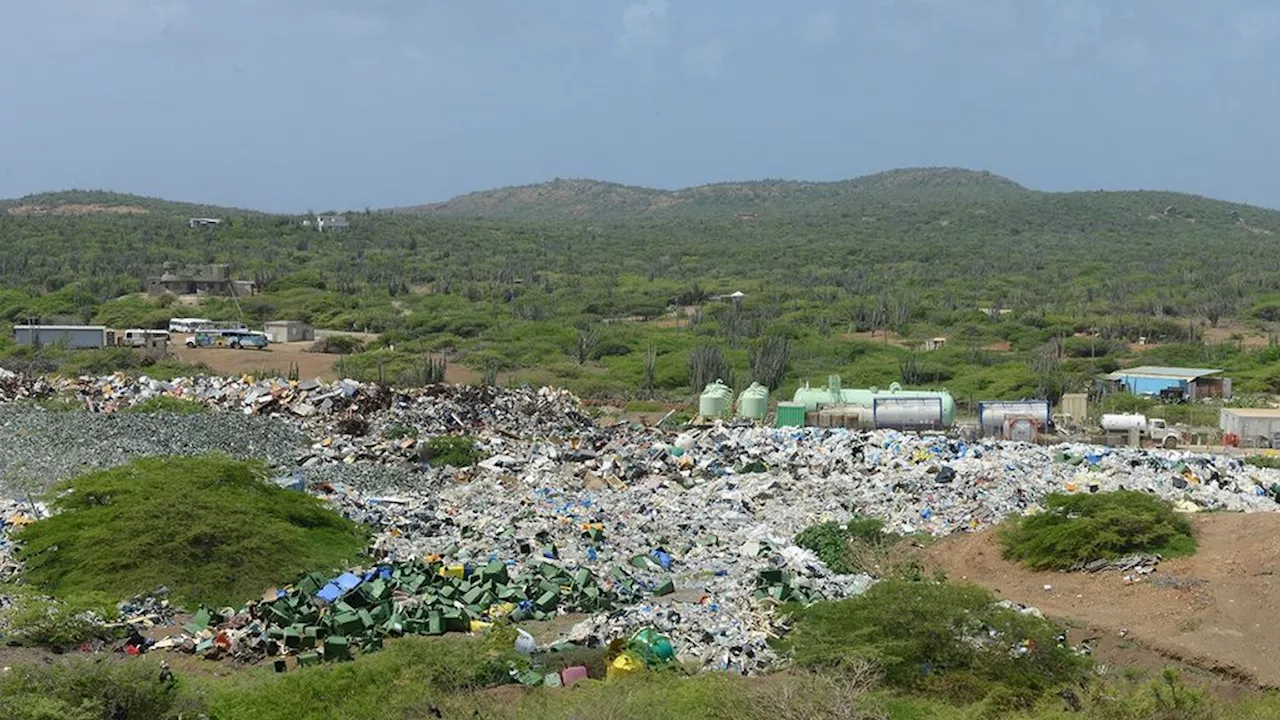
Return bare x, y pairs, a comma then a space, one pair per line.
187, 325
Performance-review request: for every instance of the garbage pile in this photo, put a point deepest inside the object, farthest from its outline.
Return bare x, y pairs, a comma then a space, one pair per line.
689, 535
324, 619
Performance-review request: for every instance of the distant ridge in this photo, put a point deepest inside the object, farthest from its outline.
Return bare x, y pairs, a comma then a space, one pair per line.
570, 198
102, 202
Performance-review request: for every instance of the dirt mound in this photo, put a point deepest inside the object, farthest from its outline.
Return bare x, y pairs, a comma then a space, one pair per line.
1216, 610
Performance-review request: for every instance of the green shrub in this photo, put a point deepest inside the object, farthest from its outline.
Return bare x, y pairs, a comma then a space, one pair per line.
166, 404
829, 541
97, 689
35, 620
398, 431
451, 450
1263, 461
208, 528
948, 639
337, 345
1076, 529
832, 542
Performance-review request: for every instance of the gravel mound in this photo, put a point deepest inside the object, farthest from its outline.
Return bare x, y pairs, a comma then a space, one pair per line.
45, 447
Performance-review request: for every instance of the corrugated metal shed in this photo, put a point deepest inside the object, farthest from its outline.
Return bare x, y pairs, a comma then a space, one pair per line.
1185, 374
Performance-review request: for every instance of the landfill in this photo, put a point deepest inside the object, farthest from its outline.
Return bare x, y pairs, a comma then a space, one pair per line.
622, 529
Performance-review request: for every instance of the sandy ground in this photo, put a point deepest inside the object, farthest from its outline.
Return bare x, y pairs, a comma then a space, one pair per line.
1215, 610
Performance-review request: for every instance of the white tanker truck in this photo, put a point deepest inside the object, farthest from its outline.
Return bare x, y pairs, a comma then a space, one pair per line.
1154, 428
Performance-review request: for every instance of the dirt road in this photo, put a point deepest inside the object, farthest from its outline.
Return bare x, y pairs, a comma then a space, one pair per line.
1216, 610
278, 358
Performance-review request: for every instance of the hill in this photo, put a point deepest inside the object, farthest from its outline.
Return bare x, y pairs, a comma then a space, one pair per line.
571, 282
591, 199
102, 202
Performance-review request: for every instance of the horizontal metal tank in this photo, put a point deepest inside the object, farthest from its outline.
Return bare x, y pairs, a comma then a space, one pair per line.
992, 413
753, 403
834, 396
715, 400
907, 413
1124, 422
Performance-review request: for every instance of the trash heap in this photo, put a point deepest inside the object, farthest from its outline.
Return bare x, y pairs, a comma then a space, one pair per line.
324, 619
690, 535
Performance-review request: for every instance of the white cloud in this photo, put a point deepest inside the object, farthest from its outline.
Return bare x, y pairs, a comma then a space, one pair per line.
706, 60
643, 22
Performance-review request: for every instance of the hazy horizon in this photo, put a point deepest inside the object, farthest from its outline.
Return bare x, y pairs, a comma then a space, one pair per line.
325, 104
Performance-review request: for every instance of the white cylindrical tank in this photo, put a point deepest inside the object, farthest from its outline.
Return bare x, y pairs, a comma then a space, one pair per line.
1124, 422
908, 413
992, 413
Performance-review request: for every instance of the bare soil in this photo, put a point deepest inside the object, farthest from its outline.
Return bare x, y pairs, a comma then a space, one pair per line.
1215, 611
277, 358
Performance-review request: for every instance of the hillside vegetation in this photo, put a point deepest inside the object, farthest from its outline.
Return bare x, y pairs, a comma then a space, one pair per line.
612, 290
590, 199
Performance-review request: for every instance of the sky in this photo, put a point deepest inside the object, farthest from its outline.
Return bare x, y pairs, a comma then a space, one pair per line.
297, 105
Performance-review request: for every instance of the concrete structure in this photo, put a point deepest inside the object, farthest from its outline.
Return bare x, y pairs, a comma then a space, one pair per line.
200, 280
331, 222
283, 331
1075, 408
77, 337
1189, 383
204, 222
1255, 427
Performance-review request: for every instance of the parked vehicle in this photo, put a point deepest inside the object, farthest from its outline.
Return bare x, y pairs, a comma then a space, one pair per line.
234, 339
1154, 428
139, 337
187, 325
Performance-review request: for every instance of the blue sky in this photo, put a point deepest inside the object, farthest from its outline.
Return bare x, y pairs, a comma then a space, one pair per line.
291, 105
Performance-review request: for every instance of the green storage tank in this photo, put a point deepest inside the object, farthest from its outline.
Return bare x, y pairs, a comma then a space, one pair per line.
753, 403
834, 396
715, 401
789, 414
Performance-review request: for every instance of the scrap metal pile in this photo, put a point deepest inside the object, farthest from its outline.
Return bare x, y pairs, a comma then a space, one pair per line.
690, 533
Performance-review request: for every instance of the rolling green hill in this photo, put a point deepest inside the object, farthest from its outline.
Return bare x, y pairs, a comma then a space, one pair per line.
591, 199
102, 202
571, 282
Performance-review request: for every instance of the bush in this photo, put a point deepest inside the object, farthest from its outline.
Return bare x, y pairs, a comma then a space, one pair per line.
948, 639
98, 689
448, 450
835, 544
1077, 529
35, 620
166, 404
208, 528
1263, 461
337, 345
398, 431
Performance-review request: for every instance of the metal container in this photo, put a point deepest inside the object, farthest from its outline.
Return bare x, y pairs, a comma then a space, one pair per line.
789, 414
992, 414
715, 400
908, 413
835, 396
1124, 422
753, 403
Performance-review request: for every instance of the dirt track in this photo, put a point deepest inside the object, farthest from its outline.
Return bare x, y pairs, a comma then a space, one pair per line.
1216, 610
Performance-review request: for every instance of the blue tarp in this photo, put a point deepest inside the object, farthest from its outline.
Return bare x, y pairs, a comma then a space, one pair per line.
329, 593
347, 581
